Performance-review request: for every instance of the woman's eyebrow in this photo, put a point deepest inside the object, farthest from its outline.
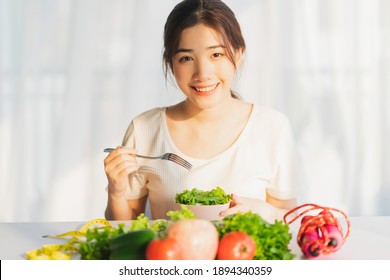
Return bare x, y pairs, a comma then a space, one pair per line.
216, 47
183, 50
191, 50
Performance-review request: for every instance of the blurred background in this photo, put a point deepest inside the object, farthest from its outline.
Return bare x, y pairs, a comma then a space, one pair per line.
73, 73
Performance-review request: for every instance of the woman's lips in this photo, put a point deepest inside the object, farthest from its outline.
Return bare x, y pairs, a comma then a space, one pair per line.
205, 90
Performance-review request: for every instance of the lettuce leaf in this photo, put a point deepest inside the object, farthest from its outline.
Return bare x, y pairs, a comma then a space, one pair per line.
196, 196
272, 240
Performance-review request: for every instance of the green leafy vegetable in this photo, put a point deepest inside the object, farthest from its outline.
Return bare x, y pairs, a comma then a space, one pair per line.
96, 246
142, 222
160, 227
97, 243
183, 213
272, 240
195, 196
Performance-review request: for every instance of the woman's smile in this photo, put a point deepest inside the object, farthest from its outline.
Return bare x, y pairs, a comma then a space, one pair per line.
205, 90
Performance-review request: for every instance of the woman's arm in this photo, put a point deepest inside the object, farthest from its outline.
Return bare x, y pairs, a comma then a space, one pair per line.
285, 205
118, 165
270, 210
118, 208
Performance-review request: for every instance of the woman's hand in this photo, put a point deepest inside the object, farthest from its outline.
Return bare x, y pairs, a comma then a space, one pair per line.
243, 204
240, 204
118, 165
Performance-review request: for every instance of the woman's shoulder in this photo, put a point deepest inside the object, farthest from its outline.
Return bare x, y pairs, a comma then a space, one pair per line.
143, 127
145, 124
150, 115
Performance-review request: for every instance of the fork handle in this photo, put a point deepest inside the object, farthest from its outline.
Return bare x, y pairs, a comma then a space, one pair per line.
109, 150
140, 156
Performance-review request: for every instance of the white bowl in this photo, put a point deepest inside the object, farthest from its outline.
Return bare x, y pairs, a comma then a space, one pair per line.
206, 212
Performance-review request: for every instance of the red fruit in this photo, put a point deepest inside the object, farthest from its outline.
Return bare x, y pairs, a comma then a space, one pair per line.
336, 238
164, 249
309, 244
236, 245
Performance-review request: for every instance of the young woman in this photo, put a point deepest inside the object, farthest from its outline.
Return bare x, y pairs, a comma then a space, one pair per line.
244, 148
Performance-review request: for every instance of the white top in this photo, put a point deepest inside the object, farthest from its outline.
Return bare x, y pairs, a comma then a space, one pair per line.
261, 160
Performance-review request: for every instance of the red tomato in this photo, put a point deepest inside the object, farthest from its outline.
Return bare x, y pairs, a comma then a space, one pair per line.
164, 249
236, 245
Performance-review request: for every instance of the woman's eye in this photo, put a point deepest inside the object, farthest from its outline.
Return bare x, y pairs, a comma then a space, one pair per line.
217, 54
185, 59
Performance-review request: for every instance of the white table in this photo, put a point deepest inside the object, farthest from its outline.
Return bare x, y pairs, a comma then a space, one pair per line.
369, 239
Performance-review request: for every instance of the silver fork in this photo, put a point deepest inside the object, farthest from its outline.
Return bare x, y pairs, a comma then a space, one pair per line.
167, 156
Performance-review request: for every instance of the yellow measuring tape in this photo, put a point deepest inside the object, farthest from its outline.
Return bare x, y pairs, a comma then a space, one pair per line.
59, 251
83, 230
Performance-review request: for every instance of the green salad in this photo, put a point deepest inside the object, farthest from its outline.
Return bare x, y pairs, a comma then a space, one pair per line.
195, 196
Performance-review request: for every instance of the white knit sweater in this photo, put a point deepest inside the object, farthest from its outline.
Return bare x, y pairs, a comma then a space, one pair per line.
261, 160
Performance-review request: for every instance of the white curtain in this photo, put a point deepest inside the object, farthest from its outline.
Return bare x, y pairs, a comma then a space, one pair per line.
73, 73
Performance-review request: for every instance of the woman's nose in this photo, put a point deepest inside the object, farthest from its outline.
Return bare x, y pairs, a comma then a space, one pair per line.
203, 70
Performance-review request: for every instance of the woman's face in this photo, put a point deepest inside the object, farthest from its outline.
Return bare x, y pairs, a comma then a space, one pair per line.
201, 68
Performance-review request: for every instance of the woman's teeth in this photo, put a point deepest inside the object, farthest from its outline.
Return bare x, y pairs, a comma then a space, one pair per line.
205, 89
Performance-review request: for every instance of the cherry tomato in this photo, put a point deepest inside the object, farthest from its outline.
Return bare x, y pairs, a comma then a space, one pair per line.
164, 249
236, 245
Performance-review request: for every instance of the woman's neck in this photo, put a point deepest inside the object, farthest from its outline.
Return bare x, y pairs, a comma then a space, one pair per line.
209, 115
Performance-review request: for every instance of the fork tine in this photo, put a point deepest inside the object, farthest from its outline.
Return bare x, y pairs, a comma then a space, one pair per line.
180, 161
183, 163
187, 165
175, 158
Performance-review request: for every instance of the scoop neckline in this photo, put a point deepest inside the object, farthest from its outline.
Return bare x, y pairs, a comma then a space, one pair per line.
200, 160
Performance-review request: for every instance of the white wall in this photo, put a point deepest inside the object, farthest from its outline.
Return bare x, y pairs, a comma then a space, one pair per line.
74, 73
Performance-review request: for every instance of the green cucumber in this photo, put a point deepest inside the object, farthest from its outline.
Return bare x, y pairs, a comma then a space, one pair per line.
131, 245
129, 253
